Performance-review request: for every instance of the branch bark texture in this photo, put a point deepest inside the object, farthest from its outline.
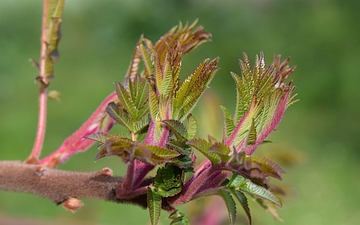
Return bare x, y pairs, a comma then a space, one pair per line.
58, 185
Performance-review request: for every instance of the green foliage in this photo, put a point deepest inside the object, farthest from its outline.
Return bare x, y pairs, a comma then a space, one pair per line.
53, 21
230, 205
168, 181
156, 103
154, 206
178, 218
245, 185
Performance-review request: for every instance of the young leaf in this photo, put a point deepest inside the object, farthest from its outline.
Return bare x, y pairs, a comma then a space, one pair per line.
264, 165
270, 208
203, 146
245, 185
177, 128
243, 202
191, 127
180, 146
252, 134
178, 218
229, 125
101, 137
221, 150
154, 202
147, 57
120, 116
126, 101
164, 153
230, 204
168, 181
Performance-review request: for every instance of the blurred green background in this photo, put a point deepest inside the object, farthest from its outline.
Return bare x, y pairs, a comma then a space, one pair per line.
317, 142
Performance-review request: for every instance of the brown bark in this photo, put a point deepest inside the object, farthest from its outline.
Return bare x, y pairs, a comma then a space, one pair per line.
58, 185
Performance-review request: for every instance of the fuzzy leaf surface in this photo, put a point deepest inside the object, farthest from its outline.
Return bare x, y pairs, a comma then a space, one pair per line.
154, 205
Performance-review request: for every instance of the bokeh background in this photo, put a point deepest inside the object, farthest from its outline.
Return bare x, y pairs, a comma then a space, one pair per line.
317, 142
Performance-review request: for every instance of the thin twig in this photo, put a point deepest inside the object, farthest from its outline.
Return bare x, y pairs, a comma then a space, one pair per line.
41, 127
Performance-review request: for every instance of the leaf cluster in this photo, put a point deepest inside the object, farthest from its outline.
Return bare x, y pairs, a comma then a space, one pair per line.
154, 106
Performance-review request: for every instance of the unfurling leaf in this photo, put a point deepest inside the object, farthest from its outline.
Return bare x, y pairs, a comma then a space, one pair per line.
168, 181
154, 205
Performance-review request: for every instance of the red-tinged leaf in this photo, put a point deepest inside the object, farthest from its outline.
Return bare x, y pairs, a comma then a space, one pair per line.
133, 69
264, 165
101, 137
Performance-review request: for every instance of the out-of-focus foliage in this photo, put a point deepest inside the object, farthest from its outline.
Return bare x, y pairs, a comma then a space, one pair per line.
322, 38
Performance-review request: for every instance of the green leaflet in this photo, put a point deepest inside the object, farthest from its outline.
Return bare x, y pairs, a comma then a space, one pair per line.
147, 58
168, 181
120, 116
133, 69
167, 81
245, 185
180, 146
101, 137
141, 124
138, 90
163, 153
182, 161
53, 21
121, 147
221, 150
203, 146
252, 136
177, 128
154, 205
126, 101
229, 125
191, 127
230, 204
178, 218
153, 103
243, 202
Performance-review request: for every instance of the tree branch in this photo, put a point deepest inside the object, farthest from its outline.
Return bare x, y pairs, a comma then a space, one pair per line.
62, 187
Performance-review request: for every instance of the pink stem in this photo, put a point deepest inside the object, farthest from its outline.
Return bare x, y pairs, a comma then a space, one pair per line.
41, 127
